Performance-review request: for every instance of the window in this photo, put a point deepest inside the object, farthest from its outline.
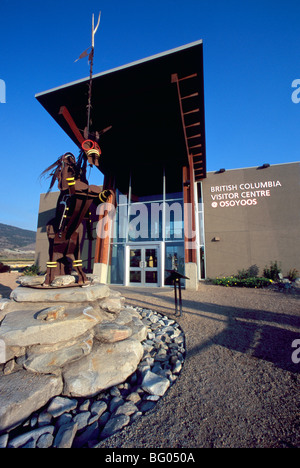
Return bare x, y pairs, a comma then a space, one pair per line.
117, 264
201, 236
150, 210
174, 259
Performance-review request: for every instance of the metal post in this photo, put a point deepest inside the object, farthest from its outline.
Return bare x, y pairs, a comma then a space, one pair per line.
180, 301
176, 278
175, 291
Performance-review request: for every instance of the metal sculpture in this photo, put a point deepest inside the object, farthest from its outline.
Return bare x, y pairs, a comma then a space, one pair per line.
176, 278
65, 230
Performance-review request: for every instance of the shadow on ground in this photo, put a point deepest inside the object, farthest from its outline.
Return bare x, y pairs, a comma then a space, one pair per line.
261, 334
5, 290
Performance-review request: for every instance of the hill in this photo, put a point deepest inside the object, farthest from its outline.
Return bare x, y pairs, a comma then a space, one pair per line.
16, 239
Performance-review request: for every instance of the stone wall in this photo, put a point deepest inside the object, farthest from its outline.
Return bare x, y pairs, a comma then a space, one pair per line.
75, 341
76, 372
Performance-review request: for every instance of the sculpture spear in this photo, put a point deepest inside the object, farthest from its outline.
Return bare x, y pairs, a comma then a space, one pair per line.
91, 60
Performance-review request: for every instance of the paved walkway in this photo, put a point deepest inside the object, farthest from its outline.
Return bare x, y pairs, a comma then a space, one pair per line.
239, 386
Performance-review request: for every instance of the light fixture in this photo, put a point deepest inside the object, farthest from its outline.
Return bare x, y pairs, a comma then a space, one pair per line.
220, 171
264, 166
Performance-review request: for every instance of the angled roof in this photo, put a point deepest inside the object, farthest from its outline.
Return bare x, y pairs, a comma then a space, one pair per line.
140, 102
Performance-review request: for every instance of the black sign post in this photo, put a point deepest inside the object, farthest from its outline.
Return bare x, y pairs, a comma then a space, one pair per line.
176, 278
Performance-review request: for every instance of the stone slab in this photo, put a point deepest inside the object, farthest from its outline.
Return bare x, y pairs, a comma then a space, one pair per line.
111, 332
107, 365
88, 293
155, 384
22, 328
52, 361
22, 393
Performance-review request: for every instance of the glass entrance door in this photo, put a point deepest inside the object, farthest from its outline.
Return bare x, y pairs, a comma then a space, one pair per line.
143, 266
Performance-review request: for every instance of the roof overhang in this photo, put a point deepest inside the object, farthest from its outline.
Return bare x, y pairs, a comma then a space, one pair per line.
140, 102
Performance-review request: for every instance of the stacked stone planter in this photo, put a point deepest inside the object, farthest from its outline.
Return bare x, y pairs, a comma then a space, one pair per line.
73, 341
82, 351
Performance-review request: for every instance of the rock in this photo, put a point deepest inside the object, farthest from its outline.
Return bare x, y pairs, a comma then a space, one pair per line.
60, 405
52, 313
44, 419
70, 295
153, 318
114, 391
139, 330
178, 366
134, 397
111, 332
4, 302
155, 384
9, 367
90, 434
133, 312
23, 393
3, 441
151, 397
65, 418
32, 436
124, 317
94, 279
65, 435
111, 304
32, 280
127, 408
48, 362
81, 419
115, 403
21, 328
114, 425
45, 441
64, 280
108, 365
159, 360
84, 406
98, 408
147, 406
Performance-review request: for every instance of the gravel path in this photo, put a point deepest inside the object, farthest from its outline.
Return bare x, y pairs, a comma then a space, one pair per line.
238, 387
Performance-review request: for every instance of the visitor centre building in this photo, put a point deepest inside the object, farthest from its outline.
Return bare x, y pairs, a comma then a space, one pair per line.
167, 212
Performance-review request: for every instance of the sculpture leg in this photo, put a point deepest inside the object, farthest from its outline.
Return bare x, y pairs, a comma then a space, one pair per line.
74, 253
52, 261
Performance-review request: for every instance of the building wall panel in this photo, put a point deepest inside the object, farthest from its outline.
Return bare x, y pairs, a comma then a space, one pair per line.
252, 217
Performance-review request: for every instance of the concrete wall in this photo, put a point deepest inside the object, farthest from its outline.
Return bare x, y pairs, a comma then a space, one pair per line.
246, 225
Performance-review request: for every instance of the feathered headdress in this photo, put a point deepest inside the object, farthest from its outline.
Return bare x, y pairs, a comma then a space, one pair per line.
57, 168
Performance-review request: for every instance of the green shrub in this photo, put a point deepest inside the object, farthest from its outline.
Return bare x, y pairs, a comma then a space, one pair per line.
251, 282
272, 272
251, 272
293, 274
32, 270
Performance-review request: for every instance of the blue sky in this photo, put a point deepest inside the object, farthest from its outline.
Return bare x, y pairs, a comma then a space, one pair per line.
251, 58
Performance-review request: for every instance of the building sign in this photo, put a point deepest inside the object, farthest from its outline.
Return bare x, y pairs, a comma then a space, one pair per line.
244, 194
